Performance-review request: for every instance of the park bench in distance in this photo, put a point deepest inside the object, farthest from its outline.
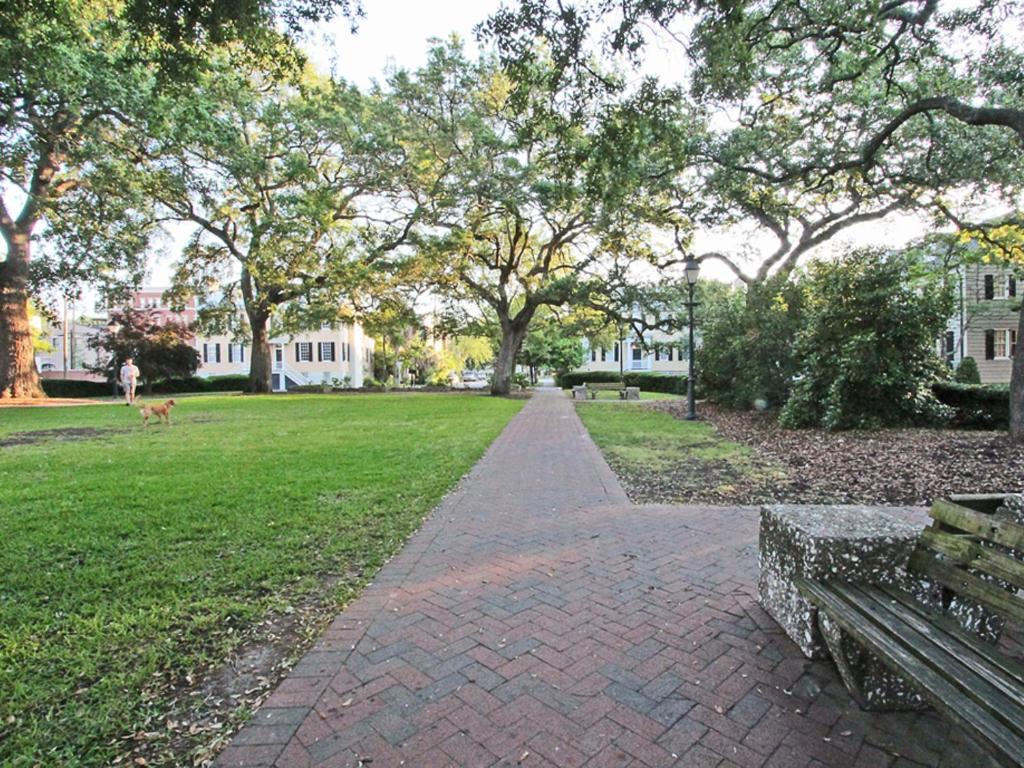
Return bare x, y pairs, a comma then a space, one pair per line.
625, 393
969, 573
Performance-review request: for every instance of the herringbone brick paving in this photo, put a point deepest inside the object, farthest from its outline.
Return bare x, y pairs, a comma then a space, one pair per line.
538, 619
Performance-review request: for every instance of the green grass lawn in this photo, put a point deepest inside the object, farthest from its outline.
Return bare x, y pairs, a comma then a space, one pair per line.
660, 458
136, 557
654, 439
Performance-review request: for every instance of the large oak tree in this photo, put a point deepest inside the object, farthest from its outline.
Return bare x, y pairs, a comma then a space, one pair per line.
537, 187
70, 82
925, 97
276, 178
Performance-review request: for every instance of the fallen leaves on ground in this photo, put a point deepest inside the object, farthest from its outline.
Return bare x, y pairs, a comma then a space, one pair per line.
890, 466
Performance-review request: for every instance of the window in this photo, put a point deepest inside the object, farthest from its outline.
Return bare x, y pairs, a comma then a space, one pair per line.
593, 355
604, 354
1006, 287
325, 351
657, 353
1000, 287
211, 352
1000, 344
346, 354
236, 353
304, 352
949, 348
615, 354
638, 352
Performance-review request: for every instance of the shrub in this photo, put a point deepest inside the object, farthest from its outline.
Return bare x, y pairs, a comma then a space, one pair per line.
867, 346
77, 388
748, 338
232, 383
229, 383
648, 382
977, 406
967, 372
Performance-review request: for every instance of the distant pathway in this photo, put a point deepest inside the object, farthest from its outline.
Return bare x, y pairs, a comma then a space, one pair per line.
538, 619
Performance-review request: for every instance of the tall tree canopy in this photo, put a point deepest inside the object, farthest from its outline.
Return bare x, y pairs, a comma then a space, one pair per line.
273, 177
70, 81
533, 194
915, 97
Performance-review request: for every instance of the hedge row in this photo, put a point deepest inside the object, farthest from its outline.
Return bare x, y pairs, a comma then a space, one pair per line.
648, 382
980, 406
76, 388
233, 383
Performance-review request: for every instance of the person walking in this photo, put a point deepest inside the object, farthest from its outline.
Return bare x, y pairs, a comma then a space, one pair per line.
129, 378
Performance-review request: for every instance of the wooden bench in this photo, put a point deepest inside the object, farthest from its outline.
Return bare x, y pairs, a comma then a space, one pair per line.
969, 569
613, 386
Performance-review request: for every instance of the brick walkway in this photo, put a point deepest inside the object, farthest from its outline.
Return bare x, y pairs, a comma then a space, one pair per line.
538, 619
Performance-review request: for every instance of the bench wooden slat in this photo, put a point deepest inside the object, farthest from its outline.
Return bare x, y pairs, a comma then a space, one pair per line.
951, 644
999, 531
968, 585
939, 690
968, 552
980, 648
986, 503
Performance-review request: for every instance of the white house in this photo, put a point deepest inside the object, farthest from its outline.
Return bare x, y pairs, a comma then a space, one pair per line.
655, 352
341, 355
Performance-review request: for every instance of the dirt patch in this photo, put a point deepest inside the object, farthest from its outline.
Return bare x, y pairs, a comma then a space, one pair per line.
45, 435
195, 714
893, 466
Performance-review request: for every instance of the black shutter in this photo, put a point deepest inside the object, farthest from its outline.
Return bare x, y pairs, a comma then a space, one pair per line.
216, 348
230, 352
298, 357
1012, 286
333, 357
615, 356
320, 351
205, 349
990, 345
990, 286
241, 353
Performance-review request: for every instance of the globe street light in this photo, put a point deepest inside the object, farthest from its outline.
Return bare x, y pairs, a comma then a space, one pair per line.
692, 271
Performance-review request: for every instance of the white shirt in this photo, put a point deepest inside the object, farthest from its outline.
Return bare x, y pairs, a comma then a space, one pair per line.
129, 373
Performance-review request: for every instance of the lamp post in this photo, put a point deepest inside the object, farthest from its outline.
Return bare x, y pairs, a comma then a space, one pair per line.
692, 271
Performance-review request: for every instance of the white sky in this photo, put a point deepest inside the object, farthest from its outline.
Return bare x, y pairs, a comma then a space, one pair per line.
395, 33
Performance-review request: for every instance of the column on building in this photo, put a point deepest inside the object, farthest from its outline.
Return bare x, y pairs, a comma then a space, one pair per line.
355, 335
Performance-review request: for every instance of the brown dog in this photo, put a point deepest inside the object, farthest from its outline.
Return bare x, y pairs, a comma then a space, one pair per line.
162, 412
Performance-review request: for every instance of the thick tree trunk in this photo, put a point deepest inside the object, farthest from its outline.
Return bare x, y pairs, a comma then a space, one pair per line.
18, 375
1017, 385
259, 360
512, 337
259, 316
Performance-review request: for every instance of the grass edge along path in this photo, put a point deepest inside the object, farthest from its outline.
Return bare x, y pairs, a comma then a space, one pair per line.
135, 561
646, 446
